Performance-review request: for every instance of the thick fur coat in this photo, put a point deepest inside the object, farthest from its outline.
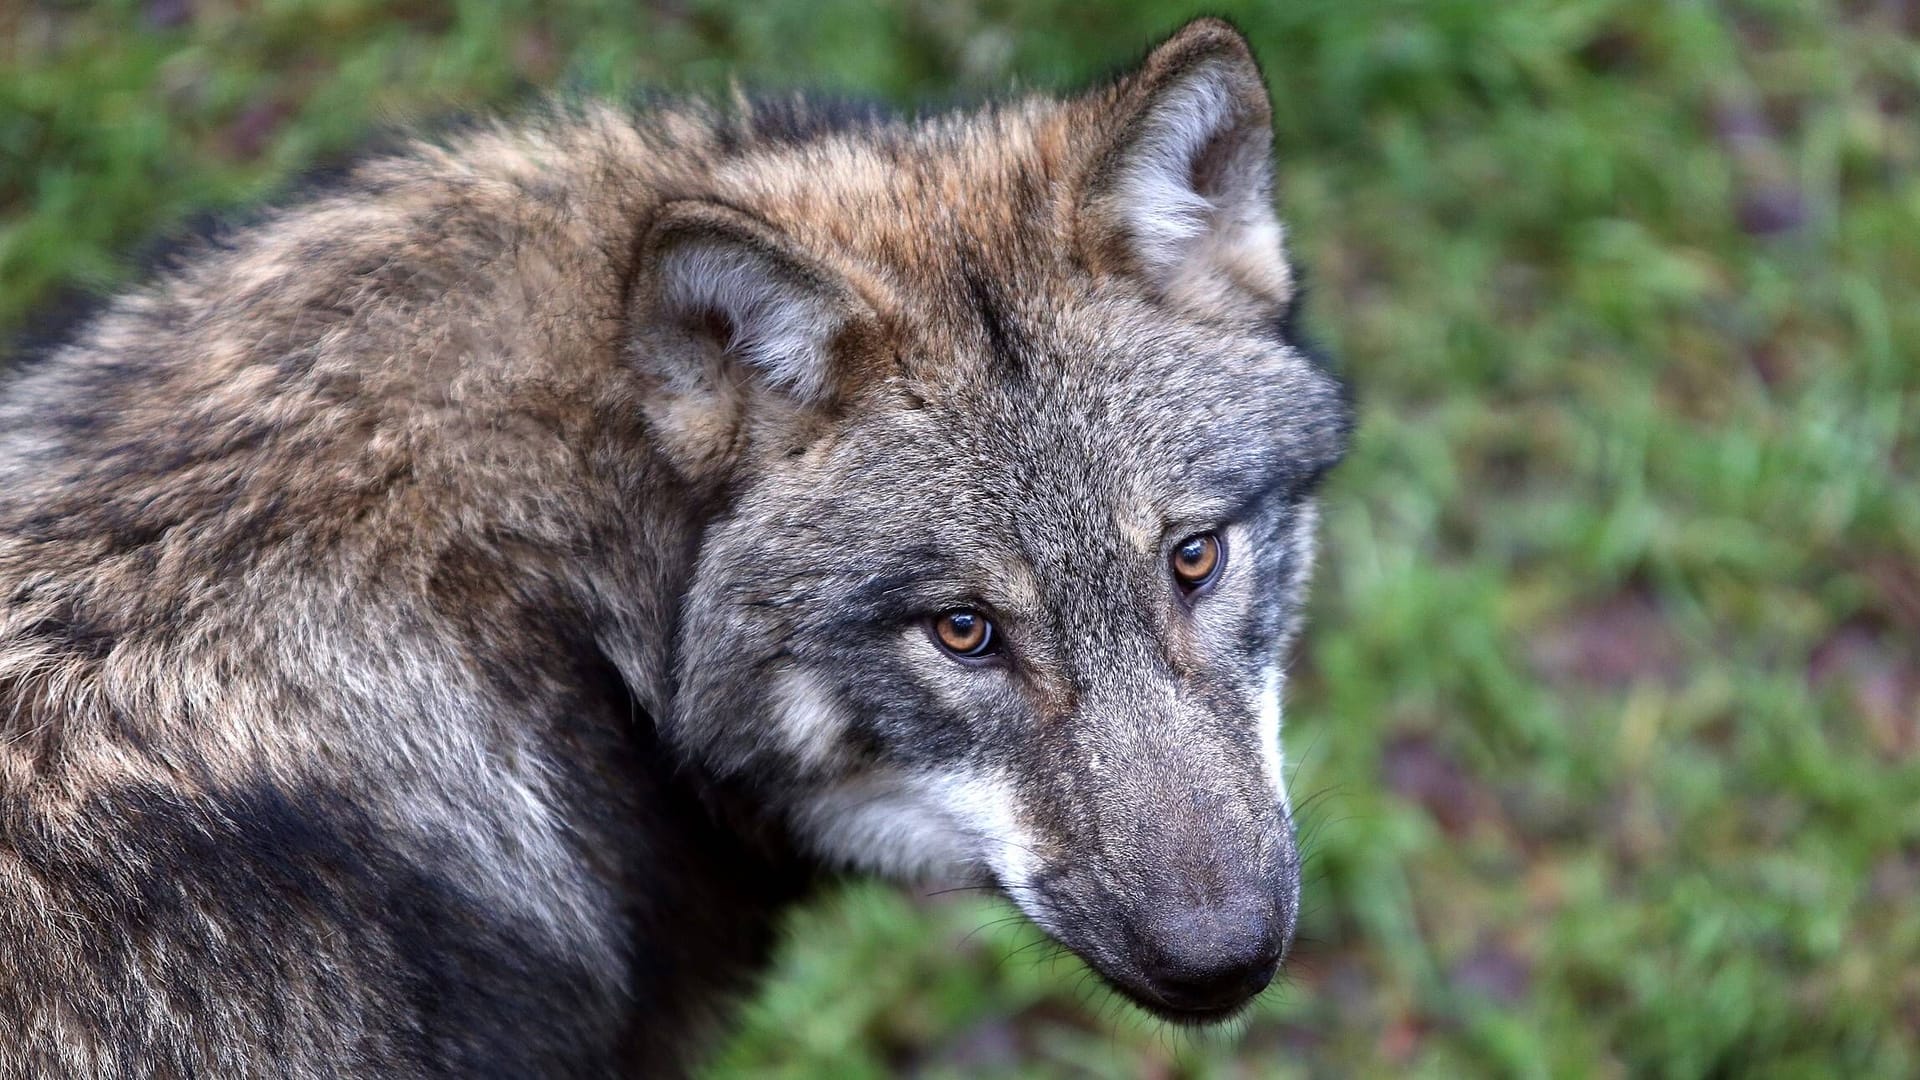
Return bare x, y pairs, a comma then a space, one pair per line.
443, 623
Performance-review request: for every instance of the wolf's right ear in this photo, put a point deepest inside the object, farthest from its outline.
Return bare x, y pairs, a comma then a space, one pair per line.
742, 330
741, 303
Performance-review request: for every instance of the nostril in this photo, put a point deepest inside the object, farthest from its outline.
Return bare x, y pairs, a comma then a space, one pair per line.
1204, 957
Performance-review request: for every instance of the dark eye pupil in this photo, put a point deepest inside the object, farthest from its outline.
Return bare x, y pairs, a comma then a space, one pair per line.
1193, 551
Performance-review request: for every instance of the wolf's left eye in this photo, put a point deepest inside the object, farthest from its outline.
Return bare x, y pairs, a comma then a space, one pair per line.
1198, 560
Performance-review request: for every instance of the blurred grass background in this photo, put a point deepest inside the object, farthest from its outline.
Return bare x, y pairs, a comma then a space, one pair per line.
1608, 722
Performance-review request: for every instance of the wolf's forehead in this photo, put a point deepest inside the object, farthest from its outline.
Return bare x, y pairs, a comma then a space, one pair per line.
1068, 469
1129, 415
1040, 411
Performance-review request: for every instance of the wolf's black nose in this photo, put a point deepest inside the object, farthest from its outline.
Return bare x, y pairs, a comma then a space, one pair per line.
1208, 958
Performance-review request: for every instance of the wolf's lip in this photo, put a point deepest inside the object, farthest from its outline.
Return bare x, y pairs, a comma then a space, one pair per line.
1196, 1015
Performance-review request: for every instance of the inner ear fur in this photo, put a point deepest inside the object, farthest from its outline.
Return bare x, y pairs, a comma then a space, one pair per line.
743, 303
748, 338
1182, 194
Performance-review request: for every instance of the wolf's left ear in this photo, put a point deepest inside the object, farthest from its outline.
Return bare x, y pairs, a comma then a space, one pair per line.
1183, 195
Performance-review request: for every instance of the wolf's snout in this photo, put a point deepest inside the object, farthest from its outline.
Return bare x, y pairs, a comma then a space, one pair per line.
1208, 958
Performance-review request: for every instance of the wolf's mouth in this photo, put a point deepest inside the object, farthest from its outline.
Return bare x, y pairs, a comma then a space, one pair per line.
1198, 1017
1219, 1003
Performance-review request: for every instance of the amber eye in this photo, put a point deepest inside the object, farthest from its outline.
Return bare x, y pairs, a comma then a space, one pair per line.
1197, 560
965, 633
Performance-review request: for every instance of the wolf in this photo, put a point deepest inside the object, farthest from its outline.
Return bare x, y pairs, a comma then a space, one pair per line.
445, 622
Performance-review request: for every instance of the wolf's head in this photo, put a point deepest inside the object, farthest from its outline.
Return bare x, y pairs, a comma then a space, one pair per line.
1018, 459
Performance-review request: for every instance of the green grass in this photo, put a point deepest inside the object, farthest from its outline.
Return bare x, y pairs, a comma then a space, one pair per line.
1610, 707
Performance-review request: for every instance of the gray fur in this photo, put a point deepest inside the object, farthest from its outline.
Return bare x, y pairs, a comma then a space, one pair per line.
444, 623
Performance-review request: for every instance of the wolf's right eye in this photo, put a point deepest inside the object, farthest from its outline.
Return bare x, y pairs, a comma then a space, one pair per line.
965, 633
